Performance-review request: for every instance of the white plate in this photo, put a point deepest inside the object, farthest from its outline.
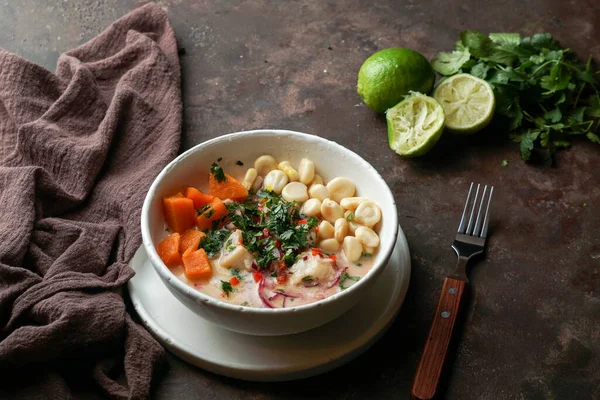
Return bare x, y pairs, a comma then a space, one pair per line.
275, 358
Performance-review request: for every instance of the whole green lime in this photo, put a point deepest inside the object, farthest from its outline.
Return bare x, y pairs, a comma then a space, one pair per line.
388, 75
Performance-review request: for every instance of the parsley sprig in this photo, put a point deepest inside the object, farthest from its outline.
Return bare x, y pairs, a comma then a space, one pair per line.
543, 93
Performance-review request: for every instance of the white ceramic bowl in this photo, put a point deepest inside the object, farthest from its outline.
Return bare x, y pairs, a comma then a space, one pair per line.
331, 160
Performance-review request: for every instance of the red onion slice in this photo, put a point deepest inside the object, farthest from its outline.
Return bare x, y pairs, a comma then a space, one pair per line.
336, 278
261, 293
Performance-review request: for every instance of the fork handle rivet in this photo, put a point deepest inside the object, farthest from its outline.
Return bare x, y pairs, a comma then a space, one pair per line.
452, 290
445, 314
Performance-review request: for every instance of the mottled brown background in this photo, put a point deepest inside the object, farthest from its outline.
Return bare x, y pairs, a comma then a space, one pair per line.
533, 321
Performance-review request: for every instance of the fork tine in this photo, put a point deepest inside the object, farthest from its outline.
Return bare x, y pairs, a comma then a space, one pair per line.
477, 225
468, 231
487, 210
461, 226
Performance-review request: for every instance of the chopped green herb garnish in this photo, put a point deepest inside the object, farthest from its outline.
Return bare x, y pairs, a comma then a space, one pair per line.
350, 217
504, 163
214, 241
167, 230
238, 162
219, 159
202, 209
307, 278
244, 303
358, 264
345, 277
585, 204
236, 272
279, 219
363, 254
218, 172
230, 248
226, 287
281, 290
209, 213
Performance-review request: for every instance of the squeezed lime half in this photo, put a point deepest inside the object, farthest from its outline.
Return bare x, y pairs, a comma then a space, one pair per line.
468, 103
415, 125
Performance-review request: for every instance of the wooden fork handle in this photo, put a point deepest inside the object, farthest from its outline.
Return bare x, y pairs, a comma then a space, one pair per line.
428, 373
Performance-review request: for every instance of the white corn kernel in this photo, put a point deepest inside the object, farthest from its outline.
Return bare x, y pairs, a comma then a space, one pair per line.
275, 181
317, 180
352, 226
331, 211
326, 230
306, 171
367, 236
329, 245
352, 248
250, 177
286, 167
368, 250
295, 191
257, 184
341, 229
311, 208
318, 191
350, 203
367, 213
265, 164
340, 187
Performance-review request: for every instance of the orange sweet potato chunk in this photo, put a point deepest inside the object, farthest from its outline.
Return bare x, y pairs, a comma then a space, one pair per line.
196, 264
168, 250
215, 212
227, 189
179, 212
200, 199
191, 239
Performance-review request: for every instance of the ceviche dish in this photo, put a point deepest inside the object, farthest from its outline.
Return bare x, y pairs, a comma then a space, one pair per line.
278, 237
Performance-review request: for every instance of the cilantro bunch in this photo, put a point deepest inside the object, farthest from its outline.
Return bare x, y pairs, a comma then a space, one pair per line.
543, 93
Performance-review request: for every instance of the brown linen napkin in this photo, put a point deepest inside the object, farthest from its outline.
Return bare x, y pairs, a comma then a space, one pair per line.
78, 151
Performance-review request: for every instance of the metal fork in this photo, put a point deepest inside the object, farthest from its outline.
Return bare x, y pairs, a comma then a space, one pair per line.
469, 242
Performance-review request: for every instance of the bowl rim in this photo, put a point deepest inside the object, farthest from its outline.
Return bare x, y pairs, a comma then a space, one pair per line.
206, 300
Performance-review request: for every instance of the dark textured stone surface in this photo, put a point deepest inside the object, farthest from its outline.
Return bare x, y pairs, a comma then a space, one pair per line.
533, 321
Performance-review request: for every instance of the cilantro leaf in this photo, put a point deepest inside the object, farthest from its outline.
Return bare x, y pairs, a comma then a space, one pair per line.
526, 145
480, 70
344, 277
557, 80
553, 115
214, 241
593, 137
506, 39
478, 44
542, 41
218, 173
226, 287
450, 63
504, 163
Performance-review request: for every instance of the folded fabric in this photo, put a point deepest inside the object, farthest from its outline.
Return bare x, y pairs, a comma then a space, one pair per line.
79, 149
